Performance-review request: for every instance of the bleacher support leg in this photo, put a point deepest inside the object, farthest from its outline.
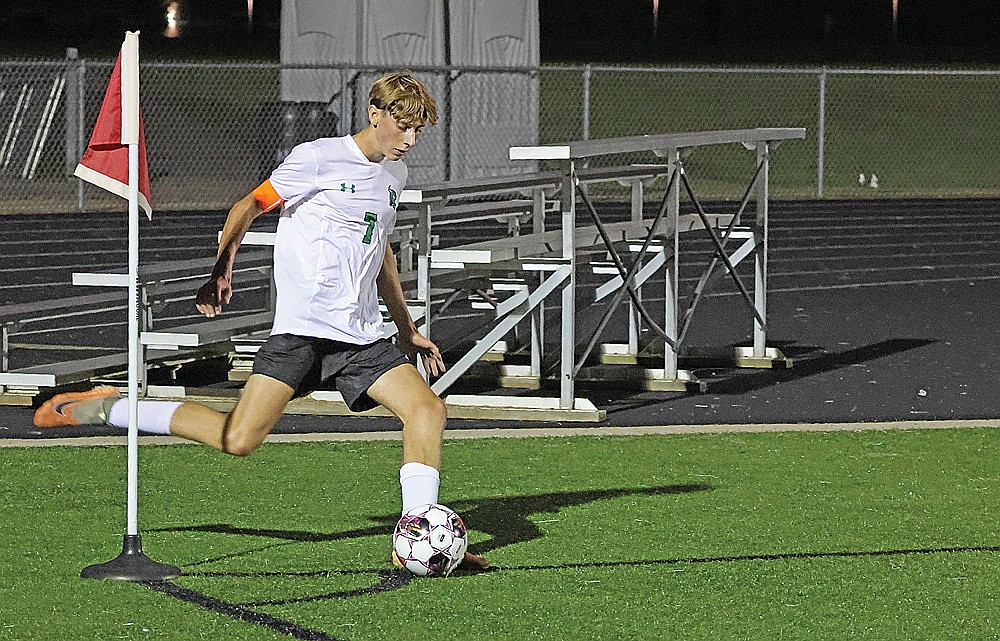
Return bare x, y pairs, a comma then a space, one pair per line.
537, 314
670, 273
760, 253
424, 272
634, 318
567, 199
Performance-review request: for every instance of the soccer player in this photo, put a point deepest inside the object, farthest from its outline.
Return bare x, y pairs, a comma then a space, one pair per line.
338, 200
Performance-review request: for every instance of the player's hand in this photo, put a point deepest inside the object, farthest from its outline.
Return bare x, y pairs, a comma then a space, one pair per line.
218, 291
416, 343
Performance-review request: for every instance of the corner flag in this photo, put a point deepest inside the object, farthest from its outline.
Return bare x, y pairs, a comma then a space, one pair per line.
116, 160
119, 124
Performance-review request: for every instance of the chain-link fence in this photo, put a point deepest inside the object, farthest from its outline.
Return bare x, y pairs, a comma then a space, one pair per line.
214, 131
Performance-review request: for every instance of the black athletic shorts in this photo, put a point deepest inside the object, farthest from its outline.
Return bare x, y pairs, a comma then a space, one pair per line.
305, 364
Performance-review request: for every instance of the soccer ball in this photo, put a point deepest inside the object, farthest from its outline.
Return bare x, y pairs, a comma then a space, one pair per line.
430, 540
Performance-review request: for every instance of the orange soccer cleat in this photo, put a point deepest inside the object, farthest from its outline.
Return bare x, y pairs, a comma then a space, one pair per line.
77, 408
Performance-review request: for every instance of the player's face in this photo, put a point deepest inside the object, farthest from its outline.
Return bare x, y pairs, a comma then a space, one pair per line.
396, 137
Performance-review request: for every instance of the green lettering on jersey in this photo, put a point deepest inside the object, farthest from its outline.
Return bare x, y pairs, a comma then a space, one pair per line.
392, 198
370, 218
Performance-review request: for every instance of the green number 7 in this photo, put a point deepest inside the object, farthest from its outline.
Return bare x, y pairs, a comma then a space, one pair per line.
370, 218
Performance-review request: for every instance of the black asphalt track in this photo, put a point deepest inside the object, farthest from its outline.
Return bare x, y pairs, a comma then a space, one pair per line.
888, 308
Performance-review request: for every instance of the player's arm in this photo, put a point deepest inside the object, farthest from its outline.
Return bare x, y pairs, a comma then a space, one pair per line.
410, 339
219, 289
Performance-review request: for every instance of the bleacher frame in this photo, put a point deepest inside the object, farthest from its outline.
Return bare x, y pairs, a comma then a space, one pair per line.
675, 149
159, 284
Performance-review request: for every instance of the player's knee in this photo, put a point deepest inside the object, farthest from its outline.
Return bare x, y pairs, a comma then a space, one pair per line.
436, 413
429, 415
240, 441
238, 447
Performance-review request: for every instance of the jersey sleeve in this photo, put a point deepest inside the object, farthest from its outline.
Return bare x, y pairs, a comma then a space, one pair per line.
266, 196
295, 178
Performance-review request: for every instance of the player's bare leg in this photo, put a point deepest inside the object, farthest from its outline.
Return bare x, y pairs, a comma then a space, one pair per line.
404, 392
238, 433
241, 431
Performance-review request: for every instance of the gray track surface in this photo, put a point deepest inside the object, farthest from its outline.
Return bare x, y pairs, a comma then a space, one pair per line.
887, 307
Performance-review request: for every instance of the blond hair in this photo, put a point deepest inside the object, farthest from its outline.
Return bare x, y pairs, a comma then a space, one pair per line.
405, 98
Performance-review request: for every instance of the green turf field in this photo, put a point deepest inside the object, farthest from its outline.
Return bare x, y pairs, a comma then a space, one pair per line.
847, 535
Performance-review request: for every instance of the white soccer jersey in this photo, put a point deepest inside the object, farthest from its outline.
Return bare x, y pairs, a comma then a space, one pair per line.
338, 212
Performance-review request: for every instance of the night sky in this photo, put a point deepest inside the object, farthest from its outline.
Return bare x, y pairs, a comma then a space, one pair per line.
690, 31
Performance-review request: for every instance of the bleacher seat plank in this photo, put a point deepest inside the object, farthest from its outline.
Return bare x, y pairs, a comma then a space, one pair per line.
502, 249
208, 331
80, 370
21, 311
173, 270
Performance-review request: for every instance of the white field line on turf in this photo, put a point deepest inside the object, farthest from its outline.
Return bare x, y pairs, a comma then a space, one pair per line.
530, 432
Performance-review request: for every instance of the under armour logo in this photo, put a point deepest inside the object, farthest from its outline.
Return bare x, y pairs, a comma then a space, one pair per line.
344, 187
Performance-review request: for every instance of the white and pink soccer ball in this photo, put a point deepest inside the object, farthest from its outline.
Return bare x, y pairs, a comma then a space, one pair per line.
430, 540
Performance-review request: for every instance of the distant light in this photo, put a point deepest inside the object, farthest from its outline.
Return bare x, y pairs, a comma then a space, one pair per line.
656, 15
173, 29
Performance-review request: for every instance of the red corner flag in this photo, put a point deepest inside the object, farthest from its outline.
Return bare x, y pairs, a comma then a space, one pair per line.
119, 123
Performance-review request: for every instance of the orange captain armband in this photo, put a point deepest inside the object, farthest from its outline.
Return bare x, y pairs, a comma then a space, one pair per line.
266, 197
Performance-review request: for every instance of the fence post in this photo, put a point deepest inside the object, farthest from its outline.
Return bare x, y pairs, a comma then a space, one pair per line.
586, 103
73, 124
449, 78
821, 135
81, 95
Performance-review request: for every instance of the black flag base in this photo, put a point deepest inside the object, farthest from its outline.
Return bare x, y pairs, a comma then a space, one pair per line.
131, 565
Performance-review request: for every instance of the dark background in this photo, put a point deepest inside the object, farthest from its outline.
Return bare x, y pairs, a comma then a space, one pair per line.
935, 32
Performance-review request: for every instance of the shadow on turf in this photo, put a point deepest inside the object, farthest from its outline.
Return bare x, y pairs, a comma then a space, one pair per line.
395, 579
504, 519
818, 365
740, 383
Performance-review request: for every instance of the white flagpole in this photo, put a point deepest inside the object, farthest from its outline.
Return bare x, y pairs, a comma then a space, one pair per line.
132, 564
130, 137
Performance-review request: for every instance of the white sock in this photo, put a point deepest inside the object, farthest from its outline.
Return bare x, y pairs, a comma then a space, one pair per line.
419, 483
154, 416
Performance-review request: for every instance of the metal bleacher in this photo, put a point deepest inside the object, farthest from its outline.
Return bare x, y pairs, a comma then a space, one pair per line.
511, 278
159, 284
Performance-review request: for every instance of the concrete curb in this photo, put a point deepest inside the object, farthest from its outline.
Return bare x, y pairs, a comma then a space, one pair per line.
550, 432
